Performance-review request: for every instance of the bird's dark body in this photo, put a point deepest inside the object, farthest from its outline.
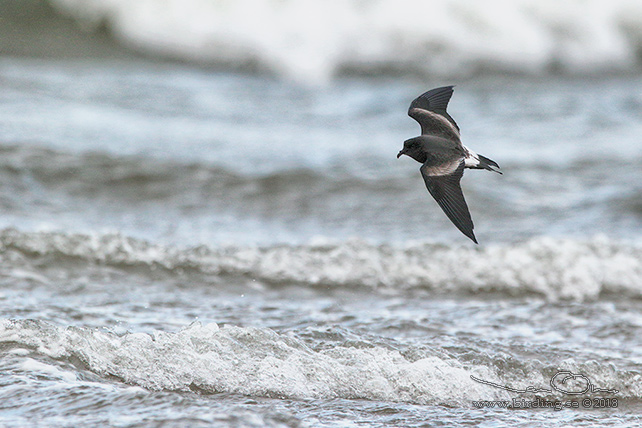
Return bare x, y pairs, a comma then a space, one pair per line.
443, 156
434, 150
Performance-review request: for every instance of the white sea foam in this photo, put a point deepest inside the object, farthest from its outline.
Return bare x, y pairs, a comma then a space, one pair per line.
258, 362
554, 268
262, 362
313, 40
31, 365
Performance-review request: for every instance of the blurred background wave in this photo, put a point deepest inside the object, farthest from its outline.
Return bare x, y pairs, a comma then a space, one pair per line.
314, 41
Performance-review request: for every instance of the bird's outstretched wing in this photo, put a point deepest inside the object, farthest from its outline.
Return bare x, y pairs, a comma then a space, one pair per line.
447, 192
429, 109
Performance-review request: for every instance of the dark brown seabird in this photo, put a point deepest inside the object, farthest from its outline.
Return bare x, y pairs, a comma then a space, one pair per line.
443, 156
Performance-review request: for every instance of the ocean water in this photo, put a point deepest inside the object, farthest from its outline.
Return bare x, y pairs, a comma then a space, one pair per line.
231, 240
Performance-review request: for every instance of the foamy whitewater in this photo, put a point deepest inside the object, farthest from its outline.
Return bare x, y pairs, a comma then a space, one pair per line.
314, 40
209, 242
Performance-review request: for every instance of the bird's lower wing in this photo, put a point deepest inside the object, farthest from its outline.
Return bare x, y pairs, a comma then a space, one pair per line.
447, 192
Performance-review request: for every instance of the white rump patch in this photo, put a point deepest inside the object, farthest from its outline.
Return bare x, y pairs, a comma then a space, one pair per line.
471, 159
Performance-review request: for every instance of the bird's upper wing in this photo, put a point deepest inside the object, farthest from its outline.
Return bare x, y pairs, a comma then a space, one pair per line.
429, 109
446, 190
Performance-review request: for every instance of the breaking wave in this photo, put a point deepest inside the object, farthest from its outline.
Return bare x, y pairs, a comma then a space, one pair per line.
314, 40
262, 362
554, 268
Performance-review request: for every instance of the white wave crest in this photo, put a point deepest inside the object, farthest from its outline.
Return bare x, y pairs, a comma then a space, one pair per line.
250, 361
262, 362
552, 267
314, 40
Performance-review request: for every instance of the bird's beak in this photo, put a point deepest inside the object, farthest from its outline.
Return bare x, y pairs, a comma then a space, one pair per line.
401, 152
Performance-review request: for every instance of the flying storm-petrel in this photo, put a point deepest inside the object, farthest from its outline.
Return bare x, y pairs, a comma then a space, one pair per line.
443, 156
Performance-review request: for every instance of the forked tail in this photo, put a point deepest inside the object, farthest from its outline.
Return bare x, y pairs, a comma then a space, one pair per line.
489, 164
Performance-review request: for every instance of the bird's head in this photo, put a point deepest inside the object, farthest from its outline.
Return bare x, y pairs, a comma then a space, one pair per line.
413, 148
